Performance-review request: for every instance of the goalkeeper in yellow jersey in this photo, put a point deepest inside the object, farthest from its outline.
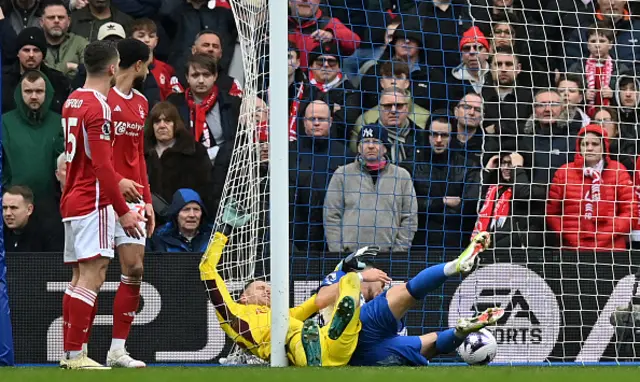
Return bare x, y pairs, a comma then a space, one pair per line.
248, 320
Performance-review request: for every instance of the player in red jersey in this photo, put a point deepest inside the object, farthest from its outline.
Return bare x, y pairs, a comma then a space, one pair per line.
129, 108
91, 197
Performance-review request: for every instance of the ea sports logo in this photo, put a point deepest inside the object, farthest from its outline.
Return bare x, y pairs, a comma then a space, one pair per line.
529, 329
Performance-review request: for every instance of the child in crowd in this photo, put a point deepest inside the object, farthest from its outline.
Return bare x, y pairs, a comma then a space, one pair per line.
599, 69
146, 31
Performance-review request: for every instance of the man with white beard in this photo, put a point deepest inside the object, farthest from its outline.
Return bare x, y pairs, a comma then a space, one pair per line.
64, 49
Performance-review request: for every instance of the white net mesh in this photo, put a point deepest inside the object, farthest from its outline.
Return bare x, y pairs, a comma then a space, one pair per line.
245, 257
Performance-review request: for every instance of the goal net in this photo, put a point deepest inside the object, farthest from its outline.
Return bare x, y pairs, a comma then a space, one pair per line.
487, 109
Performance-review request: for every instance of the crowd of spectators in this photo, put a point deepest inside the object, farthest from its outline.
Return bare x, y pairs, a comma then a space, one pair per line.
413, 124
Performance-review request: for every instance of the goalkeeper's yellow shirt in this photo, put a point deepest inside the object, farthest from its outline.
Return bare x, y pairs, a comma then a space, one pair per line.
249, 325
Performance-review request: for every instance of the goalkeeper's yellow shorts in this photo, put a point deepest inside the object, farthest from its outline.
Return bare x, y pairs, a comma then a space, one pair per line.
334, 352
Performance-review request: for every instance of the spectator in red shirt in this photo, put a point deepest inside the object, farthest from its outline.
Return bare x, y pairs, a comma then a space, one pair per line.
591, 199
146, 31
308, 27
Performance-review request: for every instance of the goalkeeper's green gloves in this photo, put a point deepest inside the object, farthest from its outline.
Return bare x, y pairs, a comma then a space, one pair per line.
233, 217
354, 263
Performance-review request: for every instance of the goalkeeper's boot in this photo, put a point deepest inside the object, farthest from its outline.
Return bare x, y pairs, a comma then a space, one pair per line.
486, 318
346, 307
121, 358
468, 259
311, 342
81, 362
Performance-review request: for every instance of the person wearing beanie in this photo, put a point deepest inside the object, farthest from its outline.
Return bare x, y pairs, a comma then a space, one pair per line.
32, 49
370, 201
473, 72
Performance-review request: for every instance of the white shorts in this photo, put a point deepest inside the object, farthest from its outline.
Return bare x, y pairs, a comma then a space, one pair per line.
90, 237
121, 236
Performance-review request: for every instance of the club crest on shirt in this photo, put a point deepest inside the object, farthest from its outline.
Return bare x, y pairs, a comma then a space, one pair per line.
141, 111
106, 131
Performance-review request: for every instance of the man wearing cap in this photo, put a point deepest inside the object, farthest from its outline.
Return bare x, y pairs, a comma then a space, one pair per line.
87, 21
370, 201
330, 85
474, 72
188, 230
32, 48
65, 50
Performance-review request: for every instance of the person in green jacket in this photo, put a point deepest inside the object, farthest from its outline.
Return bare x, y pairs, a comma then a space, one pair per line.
32, 138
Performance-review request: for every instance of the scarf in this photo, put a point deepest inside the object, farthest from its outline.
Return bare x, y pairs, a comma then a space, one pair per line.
322, 86
593, 195
598, 77
398, 139
293, 113
494, 214
198, 115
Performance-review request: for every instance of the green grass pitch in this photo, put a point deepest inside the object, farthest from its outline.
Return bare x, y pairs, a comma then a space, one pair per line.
395, 374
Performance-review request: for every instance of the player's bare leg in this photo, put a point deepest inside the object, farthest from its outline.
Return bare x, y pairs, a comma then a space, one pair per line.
91, 276
403, 297
125, 304
447, 341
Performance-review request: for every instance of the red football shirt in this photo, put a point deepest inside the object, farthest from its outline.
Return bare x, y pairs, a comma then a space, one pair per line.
128, 113
166, 78
92, 182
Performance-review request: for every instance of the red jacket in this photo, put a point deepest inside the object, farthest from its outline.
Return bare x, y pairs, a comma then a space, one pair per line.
610, 225
166, 78
300, 34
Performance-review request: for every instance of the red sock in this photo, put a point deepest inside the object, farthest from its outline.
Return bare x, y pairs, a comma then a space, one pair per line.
80, 307
125, 306
65, 314
93, 317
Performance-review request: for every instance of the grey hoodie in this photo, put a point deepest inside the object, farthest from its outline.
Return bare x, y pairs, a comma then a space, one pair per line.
359, 211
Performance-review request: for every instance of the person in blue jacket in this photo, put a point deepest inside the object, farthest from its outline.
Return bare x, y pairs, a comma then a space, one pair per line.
187, 230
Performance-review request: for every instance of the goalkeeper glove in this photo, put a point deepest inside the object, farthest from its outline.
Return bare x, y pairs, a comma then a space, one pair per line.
353, 262
233, 217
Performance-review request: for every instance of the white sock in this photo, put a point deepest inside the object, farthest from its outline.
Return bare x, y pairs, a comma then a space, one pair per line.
450, 268
117, 344
85, 348
74, 354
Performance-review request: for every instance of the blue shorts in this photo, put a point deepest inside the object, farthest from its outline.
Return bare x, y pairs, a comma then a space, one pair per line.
379, 343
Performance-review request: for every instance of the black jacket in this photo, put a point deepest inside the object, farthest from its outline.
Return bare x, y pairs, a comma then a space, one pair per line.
39, 235
11, 80
185, 165
438, 176
312, 163
510, 114
344, 95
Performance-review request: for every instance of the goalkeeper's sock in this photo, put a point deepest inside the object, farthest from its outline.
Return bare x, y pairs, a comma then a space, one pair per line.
65, 314
448, 341
426, 281
93, 317
125, 306
80, 307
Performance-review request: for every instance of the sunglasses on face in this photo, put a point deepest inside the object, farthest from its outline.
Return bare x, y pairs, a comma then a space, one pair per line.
475, 48
326, 60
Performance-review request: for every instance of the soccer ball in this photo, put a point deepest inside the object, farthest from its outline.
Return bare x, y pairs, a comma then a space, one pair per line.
478, 348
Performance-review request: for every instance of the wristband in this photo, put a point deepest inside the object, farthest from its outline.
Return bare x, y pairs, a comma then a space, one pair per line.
360, 277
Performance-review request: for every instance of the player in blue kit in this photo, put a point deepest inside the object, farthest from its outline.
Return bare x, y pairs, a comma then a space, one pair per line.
382, 317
